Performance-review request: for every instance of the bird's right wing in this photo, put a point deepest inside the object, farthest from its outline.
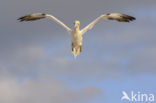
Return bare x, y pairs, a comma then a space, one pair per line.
37, 16
112, 16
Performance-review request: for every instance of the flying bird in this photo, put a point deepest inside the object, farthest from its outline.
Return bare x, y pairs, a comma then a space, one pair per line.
75, 33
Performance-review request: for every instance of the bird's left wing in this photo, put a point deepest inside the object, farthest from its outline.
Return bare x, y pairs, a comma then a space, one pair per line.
37, 16
112, 16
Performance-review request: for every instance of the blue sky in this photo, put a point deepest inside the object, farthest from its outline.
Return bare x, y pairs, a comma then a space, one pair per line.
37, 66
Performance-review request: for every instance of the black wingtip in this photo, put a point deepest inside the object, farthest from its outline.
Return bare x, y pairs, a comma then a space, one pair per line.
133, 18
32, 17
129, 18
20, 19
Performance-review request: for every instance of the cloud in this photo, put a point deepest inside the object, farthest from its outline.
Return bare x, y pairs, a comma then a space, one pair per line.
112, 55
43, 90
32, 62
22, 61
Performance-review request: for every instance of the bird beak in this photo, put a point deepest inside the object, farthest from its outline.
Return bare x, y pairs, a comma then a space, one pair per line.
75, 25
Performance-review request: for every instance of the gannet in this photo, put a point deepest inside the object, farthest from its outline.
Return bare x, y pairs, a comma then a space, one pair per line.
75, 33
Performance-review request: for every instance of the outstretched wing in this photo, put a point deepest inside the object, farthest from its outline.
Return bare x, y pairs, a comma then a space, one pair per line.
120, 17
112, 16
37, 16
32, 17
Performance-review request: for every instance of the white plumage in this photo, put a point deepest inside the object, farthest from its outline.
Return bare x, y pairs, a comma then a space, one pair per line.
76, 33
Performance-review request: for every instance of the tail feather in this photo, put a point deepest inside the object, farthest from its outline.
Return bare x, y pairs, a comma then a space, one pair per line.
76, 50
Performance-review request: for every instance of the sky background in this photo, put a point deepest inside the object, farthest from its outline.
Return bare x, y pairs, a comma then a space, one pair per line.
37, 66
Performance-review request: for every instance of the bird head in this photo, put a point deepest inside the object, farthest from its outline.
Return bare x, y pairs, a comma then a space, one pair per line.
76, 23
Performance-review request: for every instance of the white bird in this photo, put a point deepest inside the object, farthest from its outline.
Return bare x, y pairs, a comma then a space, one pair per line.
76, 34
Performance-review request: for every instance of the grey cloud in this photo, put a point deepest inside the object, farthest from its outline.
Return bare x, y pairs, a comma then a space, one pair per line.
43, 90
33, 60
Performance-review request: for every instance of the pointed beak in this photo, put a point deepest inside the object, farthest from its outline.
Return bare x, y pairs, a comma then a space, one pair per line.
75, 25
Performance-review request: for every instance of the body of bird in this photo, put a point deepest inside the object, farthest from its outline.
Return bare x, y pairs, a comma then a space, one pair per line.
76, 37
76, 34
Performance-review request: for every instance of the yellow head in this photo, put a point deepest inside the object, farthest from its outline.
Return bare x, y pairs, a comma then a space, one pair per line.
76, 23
